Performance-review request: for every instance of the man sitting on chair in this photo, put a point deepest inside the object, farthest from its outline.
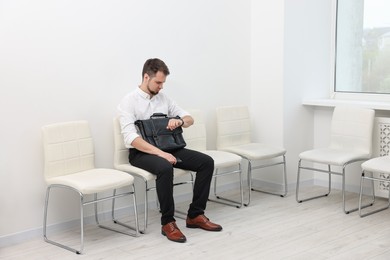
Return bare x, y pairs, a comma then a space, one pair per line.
140, 104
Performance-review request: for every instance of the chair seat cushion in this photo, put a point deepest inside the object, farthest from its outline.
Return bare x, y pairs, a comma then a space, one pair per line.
223, 159
332, 156
135, 171
379, 164
147, 176
94, 180
256, 151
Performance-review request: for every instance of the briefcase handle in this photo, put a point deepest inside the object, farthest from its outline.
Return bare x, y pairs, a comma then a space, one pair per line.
161, 115
158, 115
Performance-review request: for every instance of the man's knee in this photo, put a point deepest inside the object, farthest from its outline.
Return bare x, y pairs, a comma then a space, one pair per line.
210, 161
165, 171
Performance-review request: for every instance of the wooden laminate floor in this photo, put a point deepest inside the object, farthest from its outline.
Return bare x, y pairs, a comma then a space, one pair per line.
270, 228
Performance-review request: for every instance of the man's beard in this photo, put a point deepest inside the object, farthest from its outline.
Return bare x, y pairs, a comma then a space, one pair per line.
153, 93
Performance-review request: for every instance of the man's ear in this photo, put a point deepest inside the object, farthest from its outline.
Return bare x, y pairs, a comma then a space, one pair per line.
146, 77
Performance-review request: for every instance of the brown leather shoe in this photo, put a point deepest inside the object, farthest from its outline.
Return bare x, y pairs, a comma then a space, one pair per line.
173, 233
202, 222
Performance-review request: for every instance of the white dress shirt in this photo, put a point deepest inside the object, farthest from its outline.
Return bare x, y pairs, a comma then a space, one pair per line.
137, 105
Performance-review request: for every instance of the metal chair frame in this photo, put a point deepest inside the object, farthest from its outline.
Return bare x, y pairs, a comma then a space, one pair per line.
250, 168
85, 203
373, 179
220, 199
329, 172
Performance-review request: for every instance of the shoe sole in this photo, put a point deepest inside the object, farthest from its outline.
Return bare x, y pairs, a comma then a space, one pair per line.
178, 241
197, 226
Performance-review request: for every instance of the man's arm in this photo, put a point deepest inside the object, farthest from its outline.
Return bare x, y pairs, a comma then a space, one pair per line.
186, 121
143, 146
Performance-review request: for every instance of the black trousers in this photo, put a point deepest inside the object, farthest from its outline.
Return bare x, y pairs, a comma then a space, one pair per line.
192, 160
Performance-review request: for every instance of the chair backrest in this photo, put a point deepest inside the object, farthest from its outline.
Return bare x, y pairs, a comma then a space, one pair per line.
352, 129
233, 126
195, 135
121, 153
68, 148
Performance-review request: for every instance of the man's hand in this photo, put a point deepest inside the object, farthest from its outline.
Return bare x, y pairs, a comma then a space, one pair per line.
169, 157
143, 146
174, 123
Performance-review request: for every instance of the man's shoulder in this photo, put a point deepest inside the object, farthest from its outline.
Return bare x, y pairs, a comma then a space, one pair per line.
131, 94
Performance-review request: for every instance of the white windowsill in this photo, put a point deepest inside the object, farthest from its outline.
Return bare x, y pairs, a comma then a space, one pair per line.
334, 102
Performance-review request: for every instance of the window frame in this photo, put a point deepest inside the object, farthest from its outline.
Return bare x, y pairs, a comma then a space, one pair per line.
381, 97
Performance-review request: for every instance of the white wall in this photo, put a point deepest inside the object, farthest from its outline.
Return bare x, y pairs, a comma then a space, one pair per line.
307, 73
75, 60
291, 52
69, 60
267, 82
267, 71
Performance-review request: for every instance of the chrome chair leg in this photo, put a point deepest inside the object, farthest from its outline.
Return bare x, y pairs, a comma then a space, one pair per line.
146, 209
46, 239
357, 208
146, 205
249, 176
96, 200
223, 200
330, 172
82, 204
298, 178
178, 213
284, 177
135, 228
373, 193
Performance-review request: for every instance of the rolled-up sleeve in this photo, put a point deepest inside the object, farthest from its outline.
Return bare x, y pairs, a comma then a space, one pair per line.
127, 119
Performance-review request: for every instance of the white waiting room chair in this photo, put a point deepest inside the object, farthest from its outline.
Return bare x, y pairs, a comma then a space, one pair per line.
350, 142
121, 162
234, 135
69, 164
375, 170
225, 163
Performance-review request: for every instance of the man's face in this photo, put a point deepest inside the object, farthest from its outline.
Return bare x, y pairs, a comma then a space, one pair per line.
156, 83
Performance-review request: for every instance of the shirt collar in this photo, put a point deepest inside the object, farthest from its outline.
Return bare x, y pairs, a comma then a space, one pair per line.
143, 93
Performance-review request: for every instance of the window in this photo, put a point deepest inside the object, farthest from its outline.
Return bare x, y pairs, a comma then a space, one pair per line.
362, 47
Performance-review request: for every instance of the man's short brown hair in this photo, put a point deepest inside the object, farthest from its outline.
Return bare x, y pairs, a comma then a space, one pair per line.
152, 66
